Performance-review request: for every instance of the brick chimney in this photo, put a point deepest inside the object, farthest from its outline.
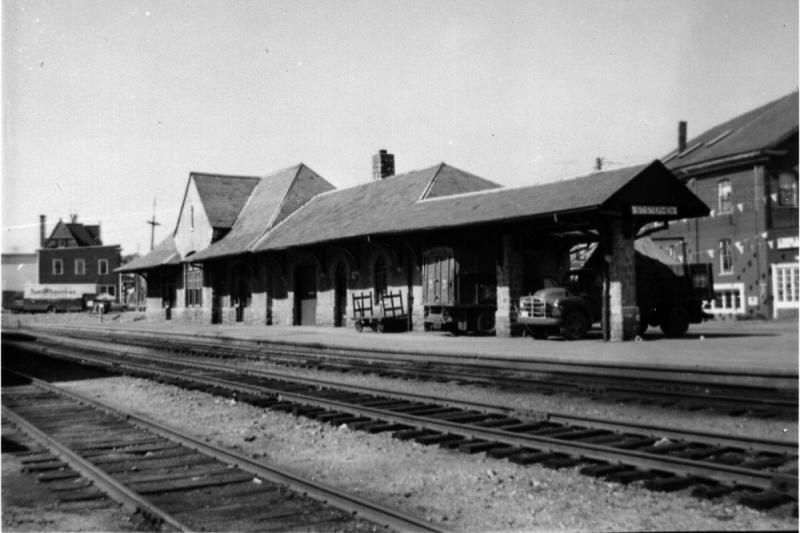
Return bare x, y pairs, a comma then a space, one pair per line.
681, 136
42, 230
382, 165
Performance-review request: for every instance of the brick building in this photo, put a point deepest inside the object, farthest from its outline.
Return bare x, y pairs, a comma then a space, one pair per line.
745, 169
74, 254
289, 248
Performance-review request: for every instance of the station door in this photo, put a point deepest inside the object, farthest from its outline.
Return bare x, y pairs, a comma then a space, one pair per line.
305, 281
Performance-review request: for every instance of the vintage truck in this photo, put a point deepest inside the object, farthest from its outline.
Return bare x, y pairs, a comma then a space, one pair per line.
54, 298
670, 294
459, 291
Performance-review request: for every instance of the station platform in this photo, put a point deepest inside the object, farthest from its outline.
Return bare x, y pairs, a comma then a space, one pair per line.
757, 347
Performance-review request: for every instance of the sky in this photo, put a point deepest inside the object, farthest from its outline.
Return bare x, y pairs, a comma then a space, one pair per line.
108, 105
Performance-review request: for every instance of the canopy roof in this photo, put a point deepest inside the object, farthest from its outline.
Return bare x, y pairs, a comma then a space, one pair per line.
163, 254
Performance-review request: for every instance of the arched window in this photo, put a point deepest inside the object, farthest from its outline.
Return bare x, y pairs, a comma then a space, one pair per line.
381, 277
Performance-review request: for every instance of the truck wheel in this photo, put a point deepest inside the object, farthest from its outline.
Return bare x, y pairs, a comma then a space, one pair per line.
359, 326
380, 327
51, 309
486, 323
676, 322
574, 325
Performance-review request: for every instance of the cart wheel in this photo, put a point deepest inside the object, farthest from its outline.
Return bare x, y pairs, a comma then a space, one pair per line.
379, 327
359, 326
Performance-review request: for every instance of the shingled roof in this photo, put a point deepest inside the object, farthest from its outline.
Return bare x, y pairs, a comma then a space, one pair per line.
163, 254
370, 208
77, 233
760, 129
392, 206
273, 199
223, 196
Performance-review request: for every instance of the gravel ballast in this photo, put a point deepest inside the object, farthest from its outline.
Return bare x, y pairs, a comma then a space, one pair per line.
458, 491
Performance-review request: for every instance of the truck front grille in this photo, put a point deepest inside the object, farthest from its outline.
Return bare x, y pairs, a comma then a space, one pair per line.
532, 306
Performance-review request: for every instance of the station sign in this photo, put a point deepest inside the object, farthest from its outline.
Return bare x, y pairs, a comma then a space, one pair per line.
654, 210
60, 291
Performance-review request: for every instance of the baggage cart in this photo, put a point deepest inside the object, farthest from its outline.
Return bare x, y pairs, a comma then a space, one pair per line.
388, 314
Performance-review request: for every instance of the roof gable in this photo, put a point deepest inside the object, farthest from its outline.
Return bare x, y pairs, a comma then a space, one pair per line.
223, 196
762, 128
60, 232
449, 181
273, 199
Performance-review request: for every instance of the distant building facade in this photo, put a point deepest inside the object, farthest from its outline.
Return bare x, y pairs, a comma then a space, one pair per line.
18, 271
746, 171
74, 254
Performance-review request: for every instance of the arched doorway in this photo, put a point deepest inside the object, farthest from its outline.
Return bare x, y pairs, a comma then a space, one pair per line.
340, 295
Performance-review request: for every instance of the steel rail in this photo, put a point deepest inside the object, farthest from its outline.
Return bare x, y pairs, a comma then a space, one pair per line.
688, 376
617, 388
595, 423
371, 511
597, 452
130, 499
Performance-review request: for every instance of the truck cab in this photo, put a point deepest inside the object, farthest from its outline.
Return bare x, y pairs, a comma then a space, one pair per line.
670, 294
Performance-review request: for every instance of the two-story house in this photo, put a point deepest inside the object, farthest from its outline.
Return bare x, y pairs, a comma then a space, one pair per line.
74, 254
745, 169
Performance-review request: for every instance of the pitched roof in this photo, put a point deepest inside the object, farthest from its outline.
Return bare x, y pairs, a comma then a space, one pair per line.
223, 196
273, 199
393, 205
163, 254
81, 234
762, 128
369, 208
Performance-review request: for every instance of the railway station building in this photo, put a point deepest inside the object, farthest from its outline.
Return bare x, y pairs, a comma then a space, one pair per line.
291, 249
745, 169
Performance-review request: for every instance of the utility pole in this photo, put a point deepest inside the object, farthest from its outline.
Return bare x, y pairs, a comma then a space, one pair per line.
153, 225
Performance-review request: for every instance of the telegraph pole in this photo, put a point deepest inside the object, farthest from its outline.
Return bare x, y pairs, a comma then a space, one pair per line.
153, 225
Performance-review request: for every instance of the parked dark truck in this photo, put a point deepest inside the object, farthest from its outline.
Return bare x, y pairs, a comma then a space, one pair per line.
459, 291
669, 293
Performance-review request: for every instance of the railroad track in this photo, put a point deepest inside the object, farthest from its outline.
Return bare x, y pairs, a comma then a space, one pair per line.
761, 395
173, 479
761, 473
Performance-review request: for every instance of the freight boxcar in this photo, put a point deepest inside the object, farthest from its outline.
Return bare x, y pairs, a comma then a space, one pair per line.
459, 290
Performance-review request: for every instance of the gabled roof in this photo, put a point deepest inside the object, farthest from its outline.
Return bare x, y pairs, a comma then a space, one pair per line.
392, 206
273, 199
223, 196
163, 254
370, 208
82, 235
78, 233
760, 129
